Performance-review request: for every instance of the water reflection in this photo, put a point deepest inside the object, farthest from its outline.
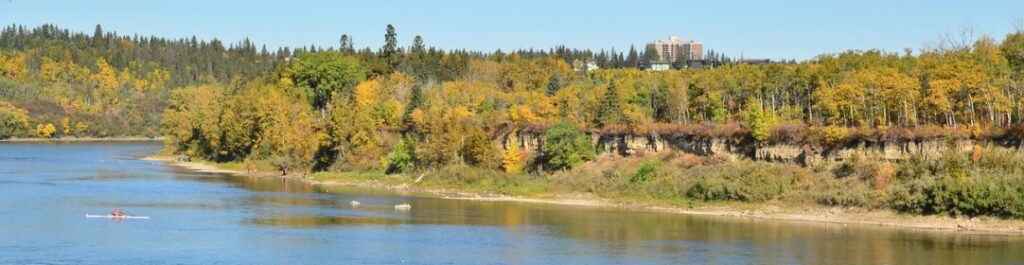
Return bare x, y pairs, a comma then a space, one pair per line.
313, 221
216, 219
635, 233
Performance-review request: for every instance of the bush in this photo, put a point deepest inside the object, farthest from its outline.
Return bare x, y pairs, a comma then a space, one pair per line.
401, 159
479, 150
833, 134
954, 185
744, 181
845, 193
996, 196
488, 180
648, 170
13, 121
565, 146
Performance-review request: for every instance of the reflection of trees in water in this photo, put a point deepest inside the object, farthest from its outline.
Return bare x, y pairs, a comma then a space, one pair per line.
632, 233
639, 233
319, 220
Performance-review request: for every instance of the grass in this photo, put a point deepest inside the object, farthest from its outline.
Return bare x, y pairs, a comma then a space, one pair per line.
486, 180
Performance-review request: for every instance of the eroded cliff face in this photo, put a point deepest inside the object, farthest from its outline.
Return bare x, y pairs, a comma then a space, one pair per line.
802, 154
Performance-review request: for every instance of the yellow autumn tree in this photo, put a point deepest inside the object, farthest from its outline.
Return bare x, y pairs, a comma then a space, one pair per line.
45, 131
13, 66
106, 84
80, 128
65, 124
512, 160
13, 120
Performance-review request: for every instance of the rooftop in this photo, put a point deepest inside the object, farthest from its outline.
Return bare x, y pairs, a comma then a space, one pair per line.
676, 40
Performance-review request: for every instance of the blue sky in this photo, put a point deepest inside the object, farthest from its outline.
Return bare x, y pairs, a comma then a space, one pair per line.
799, 29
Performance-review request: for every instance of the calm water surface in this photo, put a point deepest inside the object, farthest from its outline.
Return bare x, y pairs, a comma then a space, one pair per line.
46, 190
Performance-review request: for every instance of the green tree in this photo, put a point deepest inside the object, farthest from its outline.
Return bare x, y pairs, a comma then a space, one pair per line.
346, 44
402, 158
415, 102
609, 110
390, 52
555, 83
650, 56
565, 146
633, 59
417, 45
325, 74
1013, 49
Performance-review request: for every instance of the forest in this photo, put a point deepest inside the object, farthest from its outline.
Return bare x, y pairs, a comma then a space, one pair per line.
401, 109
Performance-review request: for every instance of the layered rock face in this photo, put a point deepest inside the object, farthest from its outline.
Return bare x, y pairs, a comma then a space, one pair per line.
802, 154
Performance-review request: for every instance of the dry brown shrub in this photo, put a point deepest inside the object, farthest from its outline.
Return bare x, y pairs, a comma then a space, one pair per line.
882, 177
975, 153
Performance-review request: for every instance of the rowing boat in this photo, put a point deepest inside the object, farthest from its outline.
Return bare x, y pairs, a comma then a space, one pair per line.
115, 216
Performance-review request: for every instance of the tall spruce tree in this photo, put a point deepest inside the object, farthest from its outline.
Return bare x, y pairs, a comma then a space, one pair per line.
390, 50
633, 59
608, 112
417, 44
346, 44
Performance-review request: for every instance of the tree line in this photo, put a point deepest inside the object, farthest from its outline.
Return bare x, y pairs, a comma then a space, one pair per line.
403, 108
357, 112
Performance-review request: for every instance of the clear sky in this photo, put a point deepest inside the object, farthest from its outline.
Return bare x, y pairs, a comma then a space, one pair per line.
798, 29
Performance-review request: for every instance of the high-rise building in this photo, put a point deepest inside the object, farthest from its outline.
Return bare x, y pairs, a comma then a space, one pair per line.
673, 49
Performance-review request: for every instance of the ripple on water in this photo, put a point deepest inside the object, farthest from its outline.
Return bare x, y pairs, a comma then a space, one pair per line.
104, 177
313, 221
22, 182
163, 205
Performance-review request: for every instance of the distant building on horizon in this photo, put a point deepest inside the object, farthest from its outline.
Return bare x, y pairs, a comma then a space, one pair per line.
676, 50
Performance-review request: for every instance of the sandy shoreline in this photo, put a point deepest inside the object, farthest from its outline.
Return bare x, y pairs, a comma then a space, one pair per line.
814, 214
195, 166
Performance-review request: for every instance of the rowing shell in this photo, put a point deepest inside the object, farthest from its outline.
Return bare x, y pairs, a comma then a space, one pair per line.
116, 216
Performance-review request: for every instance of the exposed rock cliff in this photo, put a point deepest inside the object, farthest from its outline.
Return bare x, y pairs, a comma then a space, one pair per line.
802, 154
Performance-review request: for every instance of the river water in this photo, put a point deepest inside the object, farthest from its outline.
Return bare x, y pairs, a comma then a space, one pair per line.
197, 218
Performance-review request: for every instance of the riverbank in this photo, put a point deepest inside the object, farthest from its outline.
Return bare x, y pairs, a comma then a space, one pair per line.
82, 139
771, 210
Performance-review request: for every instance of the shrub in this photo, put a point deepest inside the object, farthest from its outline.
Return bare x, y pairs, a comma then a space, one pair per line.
955, 186
912, 168
13, 121
856, 167
488, 180
401, 159
996, 196
744, 181
846, 193
648, 170
883, 176
479, 150
833, 134
565, 146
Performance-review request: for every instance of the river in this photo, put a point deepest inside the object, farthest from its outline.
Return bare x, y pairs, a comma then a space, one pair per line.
198, 218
